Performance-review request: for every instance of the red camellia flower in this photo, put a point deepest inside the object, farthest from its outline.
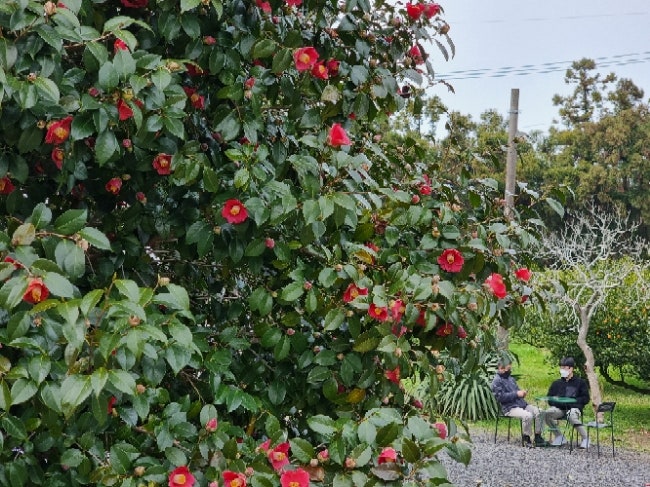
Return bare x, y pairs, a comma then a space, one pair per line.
294, 478
523, 274
398, 330
353, 291
397, 310
442, 430
392, 375
120, 45
337, 136
425, 189
6, 186
264, 446
111, 404
181, 477
11, 260
380, 313
57, 156
124, 111
36, 291
197, 101
162, 163
496, 285
58, 132
264, 6
141, 197
416, 55
135, 3
451, 260
445, 330
279, 456
461, 333
194, 70
294, 3
430, 10
414, 10
234, 479
332, 67
305, 58
234, 211
387, 455
320, 71
422, 318
114, 185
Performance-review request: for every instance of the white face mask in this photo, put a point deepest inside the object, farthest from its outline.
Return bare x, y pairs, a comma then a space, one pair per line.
564, 373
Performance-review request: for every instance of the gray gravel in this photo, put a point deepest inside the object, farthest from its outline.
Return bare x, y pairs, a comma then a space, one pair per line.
508, 464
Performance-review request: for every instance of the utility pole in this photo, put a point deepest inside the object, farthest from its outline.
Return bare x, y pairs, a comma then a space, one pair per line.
511, 160
503, 336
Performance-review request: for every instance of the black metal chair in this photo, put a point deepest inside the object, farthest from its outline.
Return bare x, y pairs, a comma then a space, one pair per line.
604, 408
502, 416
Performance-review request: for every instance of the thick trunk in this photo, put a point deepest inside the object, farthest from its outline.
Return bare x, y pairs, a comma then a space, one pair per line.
503, 338
590, 371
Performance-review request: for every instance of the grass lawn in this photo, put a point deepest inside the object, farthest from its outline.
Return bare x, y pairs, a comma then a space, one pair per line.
631, 416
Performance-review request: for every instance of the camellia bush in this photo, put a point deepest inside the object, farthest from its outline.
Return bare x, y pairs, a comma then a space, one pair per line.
214, 271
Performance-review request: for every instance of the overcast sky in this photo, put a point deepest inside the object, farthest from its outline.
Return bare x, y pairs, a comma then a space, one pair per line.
526, 44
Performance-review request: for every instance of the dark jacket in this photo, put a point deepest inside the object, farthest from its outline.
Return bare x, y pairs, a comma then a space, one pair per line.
505, 391
574, 387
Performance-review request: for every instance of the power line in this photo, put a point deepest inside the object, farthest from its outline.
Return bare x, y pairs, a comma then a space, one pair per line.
544, 68
551, 19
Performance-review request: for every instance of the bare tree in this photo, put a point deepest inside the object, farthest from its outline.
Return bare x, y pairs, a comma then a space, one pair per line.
596, 252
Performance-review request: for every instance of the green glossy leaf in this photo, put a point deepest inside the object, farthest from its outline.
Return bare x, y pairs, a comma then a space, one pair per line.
71, 221
22, 390
291, 292
95, 238
122, 381
323, 425
106, 146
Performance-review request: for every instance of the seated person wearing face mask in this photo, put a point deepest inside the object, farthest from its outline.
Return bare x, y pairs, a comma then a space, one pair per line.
570, 386
513, 405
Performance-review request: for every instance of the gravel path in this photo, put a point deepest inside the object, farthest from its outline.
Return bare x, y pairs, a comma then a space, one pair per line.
510, 465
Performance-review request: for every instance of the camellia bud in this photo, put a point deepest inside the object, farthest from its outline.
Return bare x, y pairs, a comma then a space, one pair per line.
134, 320
49, 8
270, 243
435, 232
338, 267
209, 41
415, 199
472, 306
313, 462
138, 471
350, 463
140, 388
323, 455
211, 425
163, 281
307, 285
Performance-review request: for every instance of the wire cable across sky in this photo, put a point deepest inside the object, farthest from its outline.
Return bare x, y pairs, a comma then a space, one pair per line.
554, 67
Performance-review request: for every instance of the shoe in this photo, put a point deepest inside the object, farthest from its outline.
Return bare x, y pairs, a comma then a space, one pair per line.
539, 441
527, 442
584, 444
559, 440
